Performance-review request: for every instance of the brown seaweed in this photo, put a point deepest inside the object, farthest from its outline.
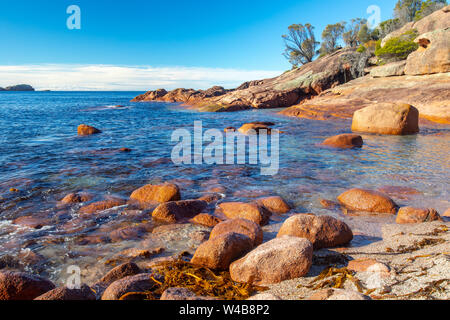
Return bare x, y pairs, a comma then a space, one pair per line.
200, 280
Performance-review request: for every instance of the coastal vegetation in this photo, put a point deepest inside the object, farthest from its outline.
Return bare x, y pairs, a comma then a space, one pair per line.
301, 43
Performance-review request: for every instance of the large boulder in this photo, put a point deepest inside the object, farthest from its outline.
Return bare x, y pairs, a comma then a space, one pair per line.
217, 253
387, 118
280, 259
249, 211
361, 200
433, 55
389, 70
322, 231
157, 193
430, 94
22, 286
175, 211
242, 226
407, 215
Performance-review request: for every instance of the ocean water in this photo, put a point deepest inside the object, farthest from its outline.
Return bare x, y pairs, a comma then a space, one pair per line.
43, 158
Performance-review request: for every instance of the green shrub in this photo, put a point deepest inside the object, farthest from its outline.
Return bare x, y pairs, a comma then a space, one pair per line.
398, 48
361, 49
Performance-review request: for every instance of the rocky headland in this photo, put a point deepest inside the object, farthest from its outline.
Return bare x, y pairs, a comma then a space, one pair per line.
337, 85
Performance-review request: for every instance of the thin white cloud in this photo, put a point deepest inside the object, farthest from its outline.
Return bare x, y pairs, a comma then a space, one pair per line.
132, 78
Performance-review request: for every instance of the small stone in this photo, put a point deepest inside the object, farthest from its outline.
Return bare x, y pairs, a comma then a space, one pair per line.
175, 211
368, 265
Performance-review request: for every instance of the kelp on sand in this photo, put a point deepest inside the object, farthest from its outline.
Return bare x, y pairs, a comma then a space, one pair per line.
200, 280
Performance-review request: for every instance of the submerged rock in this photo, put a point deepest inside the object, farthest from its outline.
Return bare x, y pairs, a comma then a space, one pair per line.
387, 118
322, 231
280, 259
102, 206
344, 141
76, 198
255, 128
175, 211
32, 222
219, 252
157, 193
85, 130
22, 286
360, 200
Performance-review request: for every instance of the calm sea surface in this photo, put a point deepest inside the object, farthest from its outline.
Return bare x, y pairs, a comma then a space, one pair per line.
42, 157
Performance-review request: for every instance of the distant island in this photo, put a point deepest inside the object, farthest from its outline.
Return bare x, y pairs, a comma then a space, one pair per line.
19, 87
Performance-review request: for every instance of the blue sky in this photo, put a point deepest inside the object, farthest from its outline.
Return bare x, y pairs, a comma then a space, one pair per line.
189, 37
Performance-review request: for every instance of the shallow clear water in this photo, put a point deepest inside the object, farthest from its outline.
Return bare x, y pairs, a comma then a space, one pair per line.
42, 157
